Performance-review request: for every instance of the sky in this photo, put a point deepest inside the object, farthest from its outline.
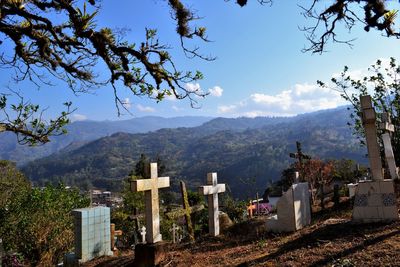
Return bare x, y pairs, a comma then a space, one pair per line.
260, 69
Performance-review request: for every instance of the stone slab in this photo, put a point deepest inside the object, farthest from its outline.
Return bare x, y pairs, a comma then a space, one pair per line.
293, 210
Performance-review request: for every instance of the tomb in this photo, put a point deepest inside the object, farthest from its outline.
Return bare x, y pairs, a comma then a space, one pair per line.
293, 210
92, 235
375, 200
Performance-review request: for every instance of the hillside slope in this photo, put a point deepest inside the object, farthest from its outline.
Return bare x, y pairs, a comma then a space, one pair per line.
247, 160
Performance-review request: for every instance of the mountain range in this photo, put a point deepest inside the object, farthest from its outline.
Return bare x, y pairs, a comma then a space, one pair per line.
82, 132
247, 153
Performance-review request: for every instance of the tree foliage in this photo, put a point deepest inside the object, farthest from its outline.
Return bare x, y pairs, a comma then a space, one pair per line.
383, 84
36, 222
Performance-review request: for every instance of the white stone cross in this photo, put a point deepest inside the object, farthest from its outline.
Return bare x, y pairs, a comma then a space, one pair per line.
211, 190
150, 188
174, 231
388, 128
368, 120
143, 234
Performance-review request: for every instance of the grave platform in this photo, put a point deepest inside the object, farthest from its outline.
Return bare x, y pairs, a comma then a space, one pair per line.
147, 255
375, 201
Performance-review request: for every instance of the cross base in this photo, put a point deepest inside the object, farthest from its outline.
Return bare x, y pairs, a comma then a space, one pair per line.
147, 255
375, 201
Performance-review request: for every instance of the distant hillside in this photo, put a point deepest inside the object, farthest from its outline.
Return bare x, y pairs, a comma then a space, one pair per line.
245, 159
81, 132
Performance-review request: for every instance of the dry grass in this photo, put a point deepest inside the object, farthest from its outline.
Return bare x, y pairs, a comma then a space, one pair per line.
332, 240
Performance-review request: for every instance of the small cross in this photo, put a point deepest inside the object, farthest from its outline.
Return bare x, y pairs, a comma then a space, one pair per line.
114, 234
150, 188
143, 234
211, 190
250, 209
386, 123
299, 155
174, 231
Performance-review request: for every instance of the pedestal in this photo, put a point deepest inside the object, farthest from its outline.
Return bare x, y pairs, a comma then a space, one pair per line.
147, 255
375, 201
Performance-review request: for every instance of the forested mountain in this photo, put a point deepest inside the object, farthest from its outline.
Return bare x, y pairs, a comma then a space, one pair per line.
247, 157
81, 132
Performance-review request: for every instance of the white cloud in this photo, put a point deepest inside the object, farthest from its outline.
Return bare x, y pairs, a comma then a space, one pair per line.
227, 109
193, 87
216, 91
144, 108
78, 117
127, 103
301, 98
176, 108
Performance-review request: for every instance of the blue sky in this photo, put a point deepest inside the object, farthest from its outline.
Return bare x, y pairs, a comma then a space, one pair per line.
260, 69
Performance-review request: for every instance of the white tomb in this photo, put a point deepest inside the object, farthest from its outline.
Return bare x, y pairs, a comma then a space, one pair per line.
211, 190
92, 235
293, 210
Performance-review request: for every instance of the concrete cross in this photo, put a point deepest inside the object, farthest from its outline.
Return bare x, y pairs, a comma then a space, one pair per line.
211, 190
368, 120
388, 128
150, 188
299, 155
143, 234
174, 231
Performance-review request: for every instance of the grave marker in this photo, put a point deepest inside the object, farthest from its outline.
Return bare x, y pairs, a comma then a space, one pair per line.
114, 233
175, 233
150, 188
368, 120
211, 190
388, 129
143, 234
375, 201
293, 210
300, 156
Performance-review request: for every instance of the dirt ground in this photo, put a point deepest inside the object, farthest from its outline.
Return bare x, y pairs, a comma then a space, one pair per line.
331, 240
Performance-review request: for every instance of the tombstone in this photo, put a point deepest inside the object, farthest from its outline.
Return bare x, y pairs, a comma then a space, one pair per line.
143, 234
250, 209
375, 201
352, 189
175, 233
300, 156
153, 252
114, 234
388, 128
152, 206
211, 190
92, 235
293, 210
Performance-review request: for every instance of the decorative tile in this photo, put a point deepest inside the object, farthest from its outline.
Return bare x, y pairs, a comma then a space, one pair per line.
389, 199
361, 200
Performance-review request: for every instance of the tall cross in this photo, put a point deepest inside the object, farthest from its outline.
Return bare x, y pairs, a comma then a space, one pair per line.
186, 207
368, 120
300, 156
388, 128
211, 190
150, 188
